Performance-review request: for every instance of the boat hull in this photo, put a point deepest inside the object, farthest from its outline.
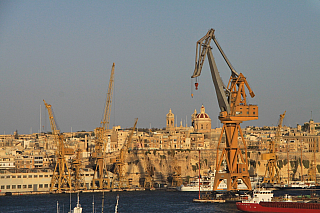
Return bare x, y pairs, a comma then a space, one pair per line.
279, 207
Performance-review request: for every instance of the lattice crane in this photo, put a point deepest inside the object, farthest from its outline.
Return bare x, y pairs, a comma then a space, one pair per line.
234, 109
121, 178
100, 173
272, 174
61, 178
77, 179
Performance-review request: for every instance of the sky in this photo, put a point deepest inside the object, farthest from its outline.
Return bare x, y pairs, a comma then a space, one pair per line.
62, 52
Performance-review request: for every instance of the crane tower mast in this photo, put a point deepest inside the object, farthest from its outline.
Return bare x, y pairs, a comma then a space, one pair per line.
234, 109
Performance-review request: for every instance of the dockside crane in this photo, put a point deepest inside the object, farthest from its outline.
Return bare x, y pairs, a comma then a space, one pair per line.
234, 109
61, 178
100, 178
77, 178
121, 180
272, 174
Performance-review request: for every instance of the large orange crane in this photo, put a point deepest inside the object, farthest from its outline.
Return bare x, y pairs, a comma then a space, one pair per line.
272, 174
100, 178
234, 109
61, 178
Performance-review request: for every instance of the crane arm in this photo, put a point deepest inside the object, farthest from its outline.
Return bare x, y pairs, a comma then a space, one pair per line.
203, 49
127, 143
107, 109
53, 125
231, 98
281, 120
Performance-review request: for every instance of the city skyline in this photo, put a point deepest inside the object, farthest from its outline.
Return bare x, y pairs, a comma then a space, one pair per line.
63, 52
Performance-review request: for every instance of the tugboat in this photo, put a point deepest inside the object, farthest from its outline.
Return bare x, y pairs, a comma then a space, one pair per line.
262, 201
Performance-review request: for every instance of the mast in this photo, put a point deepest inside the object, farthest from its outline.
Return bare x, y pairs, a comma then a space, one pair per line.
315, 161
301, 162
288, 162
199, 174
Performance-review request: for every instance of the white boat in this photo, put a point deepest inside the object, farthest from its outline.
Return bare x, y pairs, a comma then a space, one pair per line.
78, 208
298, 185
206, 184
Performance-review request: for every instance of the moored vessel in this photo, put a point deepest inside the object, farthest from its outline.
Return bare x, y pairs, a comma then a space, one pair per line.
262, 201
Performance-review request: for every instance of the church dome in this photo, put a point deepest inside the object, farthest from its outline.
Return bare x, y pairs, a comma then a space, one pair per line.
202, 113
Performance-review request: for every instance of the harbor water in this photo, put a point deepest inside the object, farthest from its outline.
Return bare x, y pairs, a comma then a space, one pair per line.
138, 201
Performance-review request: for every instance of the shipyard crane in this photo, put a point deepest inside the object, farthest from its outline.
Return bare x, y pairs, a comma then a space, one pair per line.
234, 109
100, 172
61, 178
77, 179
272, 174
149, 172
121, 178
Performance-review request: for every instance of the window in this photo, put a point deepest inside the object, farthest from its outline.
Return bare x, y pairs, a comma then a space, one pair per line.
45, 185
19, 176
19, 186
40, 176
24, 186
29, 176
8, 186
13, 176
35, 176
40, 185
24, 176
2, 187
46, 176
13, 186
29, 186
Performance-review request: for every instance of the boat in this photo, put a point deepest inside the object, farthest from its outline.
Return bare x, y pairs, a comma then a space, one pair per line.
206, 184
297, 186
263, 201
78, 208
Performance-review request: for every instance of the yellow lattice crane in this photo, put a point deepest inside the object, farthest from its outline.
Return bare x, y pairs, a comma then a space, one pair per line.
234, 109
272, 174
121, 179
77, 179
61, 178
149, 172
100, 178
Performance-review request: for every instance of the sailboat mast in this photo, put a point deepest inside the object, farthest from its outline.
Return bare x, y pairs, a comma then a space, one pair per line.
288, 162
301, 162
199, 174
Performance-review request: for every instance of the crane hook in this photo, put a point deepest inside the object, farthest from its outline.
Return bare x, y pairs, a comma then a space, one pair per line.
196, 84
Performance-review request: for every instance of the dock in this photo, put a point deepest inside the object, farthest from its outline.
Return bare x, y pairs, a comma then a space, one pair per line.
208, 201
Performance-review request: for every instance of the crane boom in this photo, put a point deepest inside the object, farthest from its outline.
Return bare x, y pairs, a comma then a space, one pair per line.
230, 98
53, 125
107, 109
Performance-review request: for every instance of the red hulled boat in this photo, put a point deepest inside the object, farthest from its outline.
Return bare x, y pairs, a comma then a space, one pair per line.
262, 201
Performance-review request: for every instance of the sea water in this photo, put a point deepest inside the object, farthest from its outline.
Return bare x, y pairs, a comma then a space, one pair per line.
136, 201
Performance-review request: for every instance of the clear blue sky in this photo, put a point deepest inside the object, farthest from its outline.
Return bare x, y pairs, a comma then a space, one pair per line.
62, 51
